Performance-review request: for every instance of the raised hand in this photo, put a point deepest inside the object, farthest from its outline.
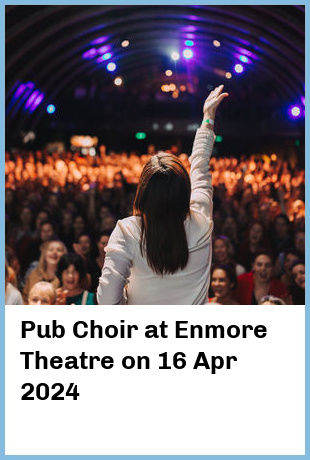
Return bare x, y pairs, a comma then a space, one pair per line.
213, 101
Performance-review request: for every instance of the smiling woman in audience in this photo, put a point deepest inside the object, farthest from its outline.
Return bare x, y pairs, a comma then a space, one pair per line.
72, 275
223, 281
47, 267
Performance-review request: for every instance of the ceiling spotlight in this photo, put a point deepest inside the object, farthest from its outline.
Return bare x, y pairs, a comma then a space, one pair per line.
168, 72
168, 126
189, 43
175, 94
118, 81
228, 75
106, 56
182, 88
175, 55
216, 43
50, 108
172, 87
295, 111
165, 88
111, 67
187, 53
243, 58
125, 43
238, 68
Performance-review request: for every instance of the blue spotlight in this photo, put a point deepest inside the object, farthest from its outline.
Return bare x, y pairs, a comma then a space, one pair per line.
50, 108
111, 67
106, 56
238, 68
188, 53
243, 58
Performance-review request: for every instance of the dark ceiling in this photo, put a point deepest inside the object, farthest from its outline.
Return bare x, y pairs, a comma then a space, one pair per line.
46, 46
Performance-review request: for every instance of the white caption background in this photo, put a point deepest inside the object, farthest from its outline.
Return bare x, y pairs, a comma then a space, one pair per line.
255, 408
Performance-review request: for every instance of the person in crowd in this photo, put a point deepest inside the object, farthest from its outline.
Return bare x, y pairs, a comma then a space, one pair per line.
12, 295
84, 248
297, 270
271, 300
72, 275
162, 254
281, 236
51, 253
223, 282
286, 259
102, 240
254, 240
299, 243
254, 285
42, 293
223, 253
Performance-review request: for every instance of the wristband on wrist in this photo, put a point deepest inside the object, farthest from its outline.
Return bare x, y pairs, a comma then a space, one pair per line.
210, 121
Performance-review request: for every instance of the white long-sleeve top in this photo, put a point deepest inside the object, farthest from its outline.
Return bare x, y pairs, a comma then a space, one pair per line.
125, 266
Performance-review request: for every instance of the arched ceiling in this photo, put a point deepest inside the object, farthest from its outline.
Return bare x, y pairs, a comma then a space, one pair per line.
45, 45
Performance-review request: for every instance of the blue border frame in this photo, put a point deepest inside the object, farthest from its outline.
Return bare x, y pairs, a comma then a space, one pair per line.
2, 215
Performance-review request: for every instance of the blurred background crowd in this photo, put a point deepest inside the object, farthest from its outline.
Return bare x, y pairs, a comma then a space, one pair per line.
61, 210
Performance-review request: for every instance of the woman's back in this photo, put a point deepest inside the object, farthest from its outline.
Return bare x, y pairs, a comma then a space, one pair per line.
134, 274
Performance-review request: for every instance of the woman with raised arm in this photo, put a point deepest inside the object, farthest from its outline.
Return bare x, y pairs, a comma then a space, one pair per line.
162, 254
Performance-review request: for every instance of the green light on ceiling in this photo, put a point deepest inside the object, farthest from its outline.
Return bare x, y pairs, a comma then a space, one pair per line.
297, 143
219, 139
140, 136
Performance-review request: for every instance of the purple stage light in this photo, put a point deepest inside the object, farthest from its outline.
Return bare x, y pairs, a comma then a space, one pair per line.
37, 102
99, 40
295, 111
19, 91
188, 53
89, 54
31, 99
103, 49
303, 100
238, 68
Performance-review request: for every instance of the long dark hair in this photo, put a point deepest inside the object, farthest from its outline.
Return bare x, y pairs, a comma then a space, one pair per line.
163, 202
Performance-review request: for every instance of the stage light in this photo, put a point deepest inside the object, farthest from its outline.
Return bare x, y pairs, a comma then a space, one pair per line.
175, 94
165, 88
243, 58
140, 136
187, 53
303, 100
155, 126
50, 108
218, 139
273, 157
297, 143
216, 43
89, 54
189, 43
168, 126
111, 67
118, 81
175, 55
172, 87
228, 75
103, 49
295, 111
106, 56
125, 43
238, 68
182, 88
168, 72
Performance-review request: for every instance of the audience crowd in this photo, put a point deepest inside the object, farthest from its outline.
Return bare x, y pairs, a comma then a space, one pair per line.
61, 209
